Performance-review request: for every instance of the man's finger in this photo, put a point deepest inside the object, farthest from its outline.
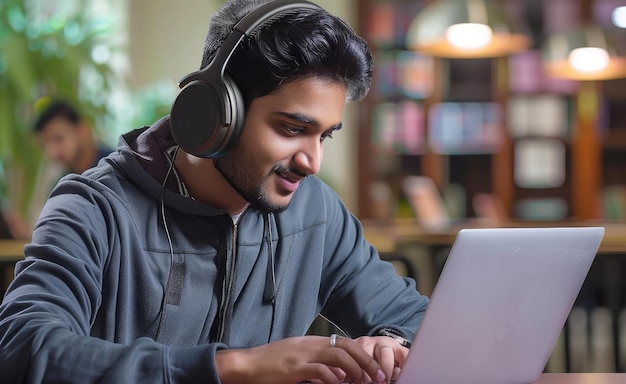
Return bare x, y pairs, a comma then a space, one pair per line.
386, 359
364, 361
321, 373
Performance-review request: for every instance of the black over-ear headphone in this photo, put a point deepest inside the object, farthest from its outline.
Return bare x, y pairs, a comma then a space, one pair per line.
207, 116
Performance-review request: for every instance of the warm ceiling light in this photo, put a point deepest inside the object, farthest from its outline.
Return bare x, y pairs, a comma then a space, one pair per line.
618, 16
585, 53
588, 59
469, 35
466, 29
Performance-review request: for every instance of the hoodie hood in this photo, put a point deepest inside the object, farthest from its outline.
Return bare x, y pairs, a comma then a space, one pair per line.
141, 156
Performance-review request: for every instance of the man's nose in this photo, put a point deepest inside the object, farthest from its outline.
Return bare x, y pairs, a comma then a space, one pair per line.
309, 158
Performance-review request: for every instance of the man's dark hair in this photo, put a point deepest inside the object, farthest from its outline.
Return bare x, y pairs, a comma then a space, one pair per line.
302, 43
58, 108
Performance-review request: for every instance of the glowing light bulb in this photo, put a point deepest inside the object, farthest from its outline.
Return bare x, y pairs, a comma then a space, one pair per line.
618, 16
589, 59
469, 35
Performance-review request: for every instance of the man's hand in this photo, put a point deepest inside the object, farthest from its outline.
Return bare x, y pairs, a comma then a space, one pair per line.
307, 358
389, 354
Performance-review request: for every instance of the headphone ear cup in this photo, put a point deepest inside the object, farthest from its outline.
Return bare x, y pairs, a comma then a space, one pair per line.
233, 102
207, 116
206, 119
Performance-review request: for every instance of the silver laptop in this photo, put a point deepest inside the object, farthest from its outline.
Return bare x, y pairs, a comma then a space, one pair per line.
500, 304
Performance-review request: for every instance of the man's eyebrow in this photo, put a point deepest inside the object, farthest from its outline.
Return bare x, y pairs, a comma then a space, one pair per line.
304, 119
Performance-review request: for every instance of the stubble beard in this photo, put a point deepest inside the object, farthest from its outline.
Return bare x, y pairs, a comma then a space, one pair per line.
231, 169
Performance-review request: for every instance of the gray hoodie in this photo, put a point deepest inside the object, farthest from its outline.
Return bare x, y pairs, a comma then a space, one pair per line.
129, 281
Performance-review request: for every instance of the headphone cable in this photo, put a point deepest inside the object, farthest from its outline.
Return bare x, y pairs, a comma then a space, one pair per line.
169, 241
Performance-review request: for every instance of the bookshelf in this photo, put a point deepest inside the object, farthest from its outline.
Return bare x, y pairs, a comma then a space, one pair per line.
546, 149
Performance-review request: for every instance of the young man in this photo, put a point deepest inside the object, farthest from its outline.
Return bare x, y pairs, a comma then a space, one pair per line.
163, 266
67, 139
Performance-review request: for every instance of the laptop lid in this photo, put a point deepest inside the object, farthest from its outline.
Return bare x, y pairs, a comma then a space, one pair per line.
499, 305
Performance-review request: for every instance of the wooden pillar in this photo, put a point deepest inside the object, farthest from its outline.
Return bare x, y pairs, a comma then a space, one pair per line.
365, 150
435, 166
502, 160
586, 154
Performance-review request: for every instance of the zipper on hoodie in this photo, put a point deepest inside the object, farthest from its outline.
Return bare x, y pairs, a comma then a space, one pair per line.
228, 280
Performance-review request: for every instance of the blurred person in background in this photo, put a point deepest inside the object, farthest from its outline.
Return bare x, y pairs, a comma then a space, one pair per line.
67, 138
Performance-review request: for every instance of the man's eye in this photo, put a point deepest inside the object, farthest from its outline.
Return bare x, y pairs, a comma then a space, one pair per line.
292, 129
327, 135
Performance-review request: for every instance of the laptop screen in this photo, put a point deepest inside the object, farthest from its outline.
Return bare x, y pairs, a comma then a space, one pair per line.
499, 305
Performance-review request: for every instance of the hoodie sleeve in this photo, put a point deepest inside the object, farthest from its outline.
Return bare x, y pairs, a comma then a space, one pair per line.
364, 294
47, 313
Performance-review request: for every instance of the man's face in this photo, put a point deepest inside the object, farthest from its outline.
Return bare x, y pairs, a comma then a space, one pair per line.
62, 141
282, 141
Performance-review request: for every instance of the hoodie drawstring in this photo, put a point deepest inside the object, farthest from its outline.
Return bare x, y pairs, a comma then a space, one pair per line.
269, 292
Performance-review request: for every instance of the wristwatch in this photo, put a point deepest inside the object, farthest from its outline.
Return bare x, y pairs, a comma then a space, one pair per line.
396, 336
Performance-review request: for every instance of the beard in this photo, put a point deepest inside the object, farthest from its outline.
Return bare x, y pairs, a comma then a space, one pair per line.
238, 172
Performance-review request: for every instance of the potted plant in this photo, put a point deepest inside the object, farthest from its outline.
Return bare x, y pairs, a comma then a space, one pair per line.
45, 51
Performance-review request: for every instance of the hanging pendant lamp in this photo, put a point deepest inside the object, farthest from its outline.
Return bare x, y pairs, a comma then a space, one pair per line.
587, 52
466, 29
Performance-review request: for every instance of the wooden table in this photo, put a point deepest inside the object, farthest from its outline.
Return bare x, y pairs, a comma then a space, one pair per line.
582, 378
11, 251
404, 236
385, 236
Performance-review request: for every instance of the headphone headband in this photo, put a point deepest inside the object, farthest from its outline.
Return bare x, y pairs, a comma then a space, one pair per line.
245, 28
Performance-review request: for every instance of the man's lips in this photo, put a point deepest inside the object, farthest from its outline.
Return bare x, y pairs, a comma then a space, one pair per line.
290, 176
289, 179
